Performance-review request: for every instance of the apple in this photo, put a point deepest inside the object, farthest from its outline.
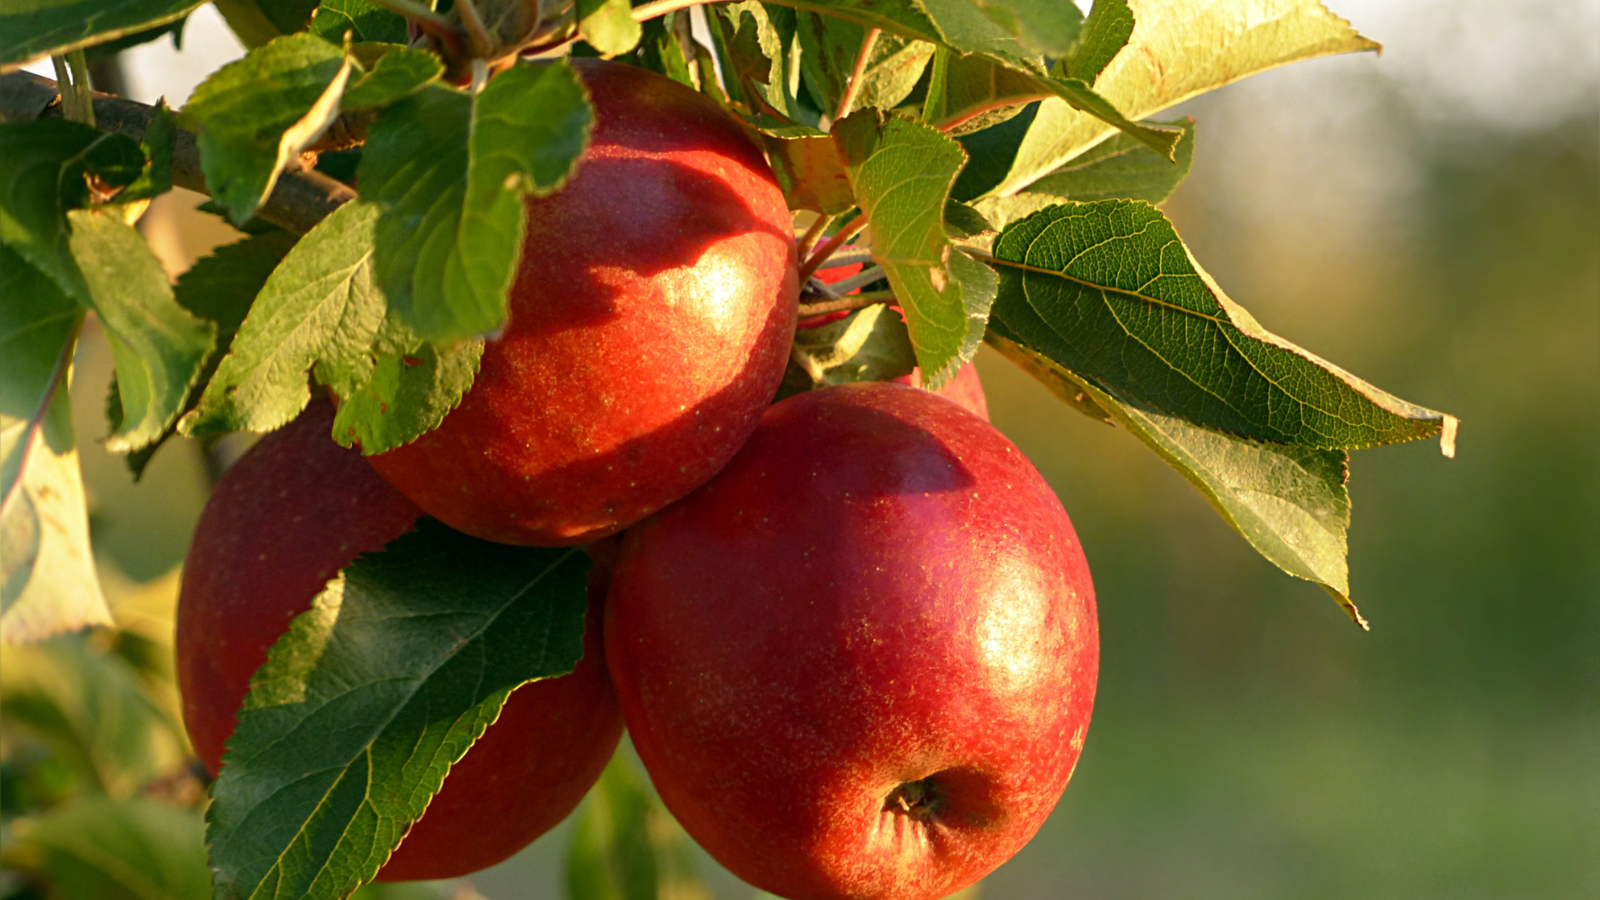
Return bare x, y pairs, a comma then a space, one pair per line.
284, 520
650, 323
860, 662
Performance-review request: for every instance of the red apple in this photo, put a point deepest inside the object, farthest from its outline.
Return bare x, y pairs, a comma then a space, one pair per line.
860, 662
285, 519
649, 327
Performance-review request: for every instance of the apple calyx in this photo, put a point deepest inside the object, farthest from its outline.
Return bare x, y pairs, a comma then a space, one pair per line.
920, 801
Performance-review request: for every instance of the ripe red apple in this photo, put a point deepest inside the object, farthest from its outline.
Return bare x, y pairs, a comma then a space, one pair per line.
649, 327
287, 517
860, 662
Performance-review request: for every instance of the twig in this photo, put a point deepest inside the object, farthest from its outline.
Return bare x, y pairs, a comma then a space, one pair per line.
834, 243
854, 301
853, 89
298, 202
803, 246
859, 280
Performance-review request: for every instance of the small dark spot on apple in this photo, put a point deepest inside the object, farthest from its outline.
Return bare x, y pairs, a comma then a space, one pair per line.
411, 360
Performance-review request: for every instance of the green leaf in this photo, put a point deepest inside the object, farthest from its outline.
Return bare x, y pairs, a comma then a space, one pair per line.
990, 151
156, 177
608, 26
1108, 291
38, 327
901, 172
255, 115
320, 303
398, 73
1121, 168
1104, 35
48, 582
1180, 48
157, 345
972, 86
116, 850
252, 26
449, 172
870, 344
408, 389
829, 50
38, 28
1290, 503
363, 706
626, 846
1040, 26
753, 42
660, 50
37, 177
219, 287
363, 21
89, 707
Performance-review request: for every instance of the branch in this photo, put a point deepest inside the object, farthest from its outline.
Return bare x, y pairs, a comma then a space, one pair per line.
301, 199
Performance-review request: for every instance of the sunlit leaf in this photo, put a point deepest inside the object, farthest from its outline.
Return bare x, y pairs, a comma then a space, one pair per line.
1104, 35
255, 115
870, 344
608, 25
1181, 48
363, 21
448, 171
901, 172
363, 706
1290, 503
1109, 292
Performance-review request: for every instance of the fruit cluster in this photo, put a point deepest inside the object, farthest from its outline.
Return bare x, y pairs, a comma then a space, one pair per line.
852, 634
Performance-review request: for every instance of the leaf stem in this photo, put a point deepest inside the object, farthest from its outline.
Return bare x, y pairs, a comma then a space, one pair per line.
803, 246
479, 40
854, 301
647, 11
834, 243
853, 89
72, 78
859, 280
425, 18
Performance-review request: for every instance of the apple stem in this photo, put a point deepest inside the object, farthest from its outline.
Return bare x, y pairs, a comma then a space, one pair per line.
830, 245
853, 89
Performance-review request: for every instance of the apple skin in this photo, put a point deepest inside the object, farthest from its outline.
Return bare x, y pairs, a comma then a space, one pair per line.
878, 598
650, 323
287, 517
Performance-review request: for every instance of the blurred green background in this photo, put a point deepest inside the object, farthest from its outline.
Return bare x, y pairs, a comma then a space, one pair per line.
1430, 220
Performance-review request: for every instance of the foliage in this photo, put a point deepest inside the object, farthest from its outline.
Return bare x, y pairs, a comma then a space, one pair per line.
877, 117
